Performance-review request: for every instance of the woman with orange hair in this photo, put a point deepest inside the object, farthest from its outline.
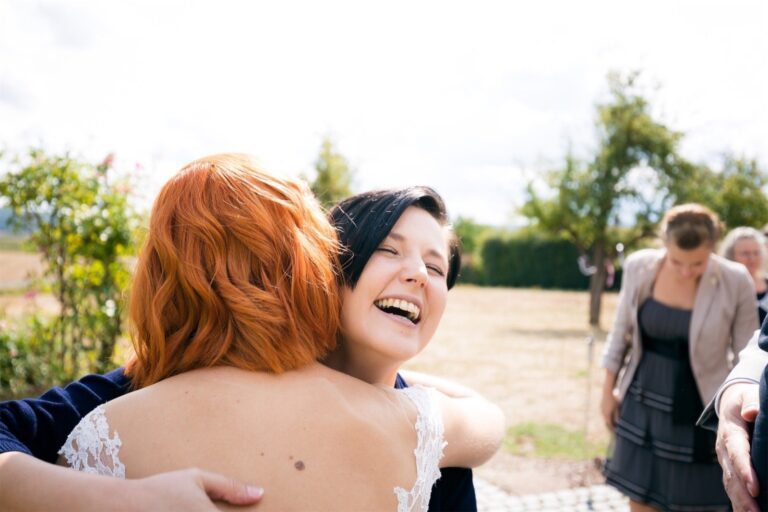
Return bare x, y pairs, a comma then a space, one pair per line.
234, 300
238, 270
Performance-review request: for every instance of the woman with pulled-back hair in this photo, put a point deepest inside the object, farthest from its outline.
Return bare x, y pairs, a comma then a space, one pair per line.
683, 315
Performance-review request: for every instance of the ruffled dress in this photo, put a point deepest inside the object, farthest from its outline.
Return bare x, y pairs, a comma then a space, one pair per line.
660, 456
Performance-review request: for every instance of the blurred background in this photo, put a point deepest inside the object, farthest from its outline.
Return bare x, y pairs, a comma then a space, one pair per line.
557, 132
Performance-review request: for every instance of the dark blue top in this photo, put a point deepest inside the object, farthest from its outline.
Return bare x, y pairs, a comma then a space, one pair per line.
760, 434
39, 427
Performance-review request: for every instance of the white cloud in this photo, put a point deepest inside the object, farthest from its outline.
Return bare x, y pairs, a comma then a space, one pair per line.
449, 94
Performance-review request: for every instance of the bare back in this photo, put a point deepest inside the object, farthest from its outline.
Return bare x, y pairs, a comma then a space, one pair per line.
314, 438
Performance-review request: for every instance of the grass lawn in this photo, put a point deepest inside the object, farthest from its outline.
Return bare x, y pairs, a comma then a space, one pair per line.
527, 350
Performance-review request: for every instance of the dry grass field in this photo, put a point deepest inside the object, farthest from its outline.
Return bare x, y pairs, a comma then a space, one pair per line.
527, 350
524, 349
16, 266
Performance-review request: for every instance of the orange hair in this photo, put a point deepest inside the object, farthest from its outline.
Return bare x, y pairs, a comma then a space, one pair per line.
238, 269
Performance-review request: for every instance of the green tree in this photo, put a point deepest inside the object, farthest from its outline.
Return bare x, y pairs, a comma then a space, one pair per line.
473, 237
333, 178
471, 234
735, 192
83, 227
632, 170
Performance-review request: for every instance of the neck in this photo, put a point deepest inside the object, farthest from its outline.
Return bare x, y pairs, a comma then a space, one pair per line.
366, 367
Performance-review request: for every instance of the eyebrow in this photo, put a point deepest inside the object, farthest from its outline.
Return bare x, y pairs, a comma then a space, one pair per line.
432, 252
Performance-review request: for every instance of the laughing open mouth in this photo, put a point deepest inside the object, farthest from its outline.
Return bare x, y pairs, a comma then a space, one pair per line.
400, 307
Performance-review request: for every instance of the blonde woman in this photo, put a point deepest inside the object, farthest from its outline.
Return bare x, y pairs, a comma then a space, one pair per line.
746, 245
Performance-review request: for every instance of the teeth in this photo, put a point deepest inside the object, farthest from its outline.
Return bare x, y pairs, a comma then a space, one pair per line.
403, 305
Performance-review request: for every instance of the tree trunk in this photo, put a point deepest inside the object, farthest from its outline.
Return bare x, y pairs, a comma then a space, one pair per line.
597, 284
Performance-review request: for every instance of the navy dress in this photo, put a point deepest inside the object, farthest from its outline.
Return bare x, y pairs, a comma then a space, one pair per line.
39, 427
660, 456
760, 435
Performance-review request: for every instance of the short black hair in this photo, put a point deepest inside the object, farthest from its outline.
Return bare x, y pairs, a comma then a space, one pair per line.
364, 220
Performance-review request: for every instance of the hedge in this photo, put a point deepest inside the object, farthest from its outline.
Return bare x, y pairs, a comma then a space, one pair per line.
529, 262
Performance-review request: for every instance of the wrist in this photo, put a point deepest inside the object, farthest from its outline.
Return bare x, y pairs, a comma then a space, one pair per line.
731, 398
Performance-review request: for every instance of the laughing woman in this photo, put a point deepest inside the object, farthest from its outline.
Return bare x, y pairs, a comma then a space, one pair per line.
399, 261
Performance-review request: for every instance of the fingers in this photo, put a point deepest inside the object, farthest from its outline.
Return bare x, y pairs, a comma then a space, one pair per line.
737, 453
737, 492
739, 479
222, 488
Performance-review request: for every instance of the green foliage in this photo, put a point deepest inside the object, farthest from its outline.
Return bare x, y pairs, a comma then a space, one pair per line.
550, 441
27, 359
333, 179
470, 233
83, 227
636, 171
532, 262
735, 192
589, 196
472, 236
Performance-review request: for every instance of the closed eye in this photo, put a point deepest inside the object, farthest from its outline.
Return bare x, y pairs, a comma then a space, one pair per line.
439, 271
389, 250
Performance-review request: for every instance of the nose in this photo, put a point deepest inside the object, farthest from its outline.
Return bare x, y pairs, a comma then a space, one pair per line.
415, 271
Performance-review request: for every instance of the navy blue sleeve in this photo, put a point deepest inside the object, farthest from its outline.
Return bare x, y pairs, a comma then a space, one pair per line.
39, 426
760, 433
455, 490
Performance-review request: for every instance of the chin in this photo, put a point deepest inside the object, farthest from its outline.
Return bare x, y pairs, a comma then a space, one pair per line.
401, 351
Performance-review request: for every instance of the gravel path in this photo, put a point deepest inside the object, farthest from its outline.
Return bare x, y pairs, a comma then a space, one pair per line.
600, 498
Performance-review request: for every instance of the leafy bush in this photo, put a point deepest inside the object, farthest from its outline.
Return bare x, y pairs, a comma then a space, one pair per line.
27, 361
533, 261
82, 225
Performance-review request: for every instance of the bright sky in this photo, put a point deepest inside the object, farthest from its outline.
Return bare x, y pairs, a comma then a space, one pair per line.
473, 98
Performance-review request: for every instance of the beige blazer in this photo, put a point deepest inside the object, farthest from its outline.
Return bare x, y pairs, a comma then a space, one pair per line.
723, 320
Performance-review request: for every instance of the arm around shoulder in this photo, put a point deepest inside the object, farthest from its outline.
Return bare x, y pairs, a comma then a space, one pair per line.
39, 426
474, 429
31, 484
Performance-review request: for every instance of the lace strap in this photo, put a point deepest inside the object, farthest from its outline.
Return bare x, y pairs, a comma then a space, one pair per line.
429, 449
89, 448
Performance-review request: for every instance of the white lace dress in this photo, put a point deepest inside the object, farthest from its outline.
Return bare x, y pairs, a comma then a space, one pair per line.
90, 449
